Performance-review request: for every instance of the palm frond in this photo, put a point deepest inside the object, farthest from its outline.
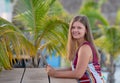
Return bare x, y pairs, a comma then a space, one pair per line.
93, 16
17, 39
34, 11
4, 22
13, 43
4, 58
57, 10
54, 35
54, 46
53, 27
110, 41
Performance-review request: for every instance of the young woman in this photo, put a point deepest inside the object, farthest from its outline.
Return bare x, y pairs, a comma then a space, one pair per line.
82, 53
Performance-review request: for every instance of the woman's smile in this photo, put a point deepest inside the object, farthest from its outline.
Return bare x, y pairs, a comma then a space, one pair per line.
78, 30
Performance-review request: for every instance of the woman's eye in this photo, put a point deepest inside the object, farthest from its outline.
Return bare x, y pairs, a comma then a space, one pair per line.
73, 27
79, 27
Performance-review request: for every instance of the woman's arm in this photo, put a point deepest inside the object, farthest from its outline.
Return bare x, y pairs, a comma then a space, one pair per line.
82, 63
59, 73
84, 56
64, 69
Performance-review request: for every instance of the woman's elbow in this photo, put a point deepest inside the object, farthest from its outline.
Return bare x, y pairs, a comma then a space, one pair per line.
78, 75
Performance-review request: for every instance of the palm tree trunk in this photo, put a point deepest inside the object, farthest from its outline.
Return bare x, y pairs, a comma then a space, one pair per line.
35, 60
111, 71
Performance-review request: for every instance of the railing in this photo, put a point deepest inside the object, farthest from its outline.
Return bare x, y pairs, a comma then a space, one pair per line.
30, 75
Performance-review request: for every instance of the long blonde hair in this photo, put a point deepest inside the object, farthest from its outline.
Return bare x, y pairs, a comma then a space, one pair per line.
72, 44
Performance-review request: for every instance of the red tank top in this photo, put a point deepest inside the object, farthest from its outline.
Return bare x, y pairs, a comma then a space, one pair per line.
86, 78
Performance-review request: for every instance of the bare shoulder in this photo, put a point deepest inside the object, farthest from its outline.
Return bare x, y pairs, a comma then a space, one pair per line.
85, 50
85, 47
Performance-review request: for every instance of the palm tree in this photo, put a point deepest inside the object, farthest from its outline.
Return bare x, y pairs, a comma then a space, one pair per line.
12, 42
110, 43
46, 29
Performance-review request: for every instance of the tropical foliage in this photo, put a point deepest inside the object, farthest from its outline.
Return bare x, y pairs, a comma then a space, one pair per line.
45, 25
109, 42
39, 22
46, 31
12, 42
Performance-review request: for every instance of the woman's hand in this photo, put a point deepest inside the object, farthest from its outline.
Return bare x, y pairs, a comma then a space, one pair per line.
51, 71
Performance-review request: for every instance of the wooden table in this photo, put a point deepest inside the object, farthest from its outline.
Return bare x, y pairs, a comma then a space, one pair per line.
31, 75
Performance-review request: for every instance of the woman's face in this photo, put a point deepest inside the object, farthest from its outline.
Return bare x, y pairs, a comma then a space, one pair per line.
78, 30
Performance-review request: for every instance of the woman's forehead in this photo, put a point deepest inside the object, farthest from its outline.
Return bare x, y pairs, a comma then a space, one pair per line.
77, 23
